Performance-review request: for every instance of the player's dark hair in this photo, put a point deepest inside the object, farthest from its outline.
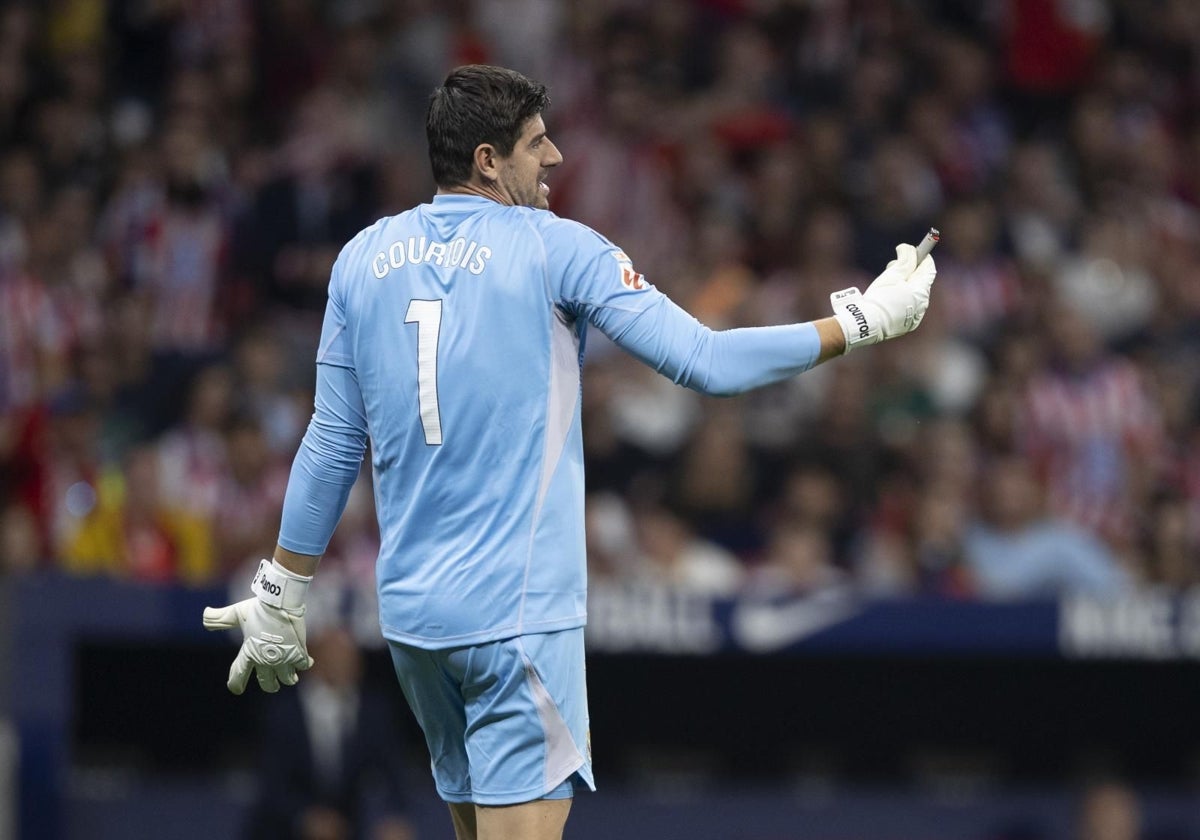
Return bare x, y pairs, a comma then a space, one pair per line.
478, 103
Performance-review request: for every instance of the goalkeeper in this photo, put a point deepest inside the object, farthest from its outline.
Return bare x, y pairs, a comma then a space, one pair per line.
452, 342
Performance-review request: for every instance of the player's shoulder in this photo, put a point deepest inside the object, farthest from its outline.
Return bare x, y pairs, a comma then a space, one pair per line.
363, 244
365, 238
558, 232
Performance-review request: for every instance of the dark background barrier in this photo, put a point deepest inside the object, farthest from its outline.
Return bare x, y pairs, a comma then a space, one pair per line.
115, 687
163, 707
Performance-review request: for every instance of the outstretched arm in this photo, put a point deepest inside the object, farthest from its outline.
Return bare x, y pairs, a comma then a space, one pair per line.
591, 278
726, 362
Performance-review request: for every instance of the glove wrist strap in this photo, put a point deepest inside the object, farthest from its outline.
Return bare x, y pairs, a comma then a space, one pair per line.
278, 587
852, 318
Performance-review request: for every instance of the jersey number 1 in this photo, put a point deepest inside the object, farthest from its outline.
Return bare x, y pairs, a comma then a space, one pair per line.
427, 315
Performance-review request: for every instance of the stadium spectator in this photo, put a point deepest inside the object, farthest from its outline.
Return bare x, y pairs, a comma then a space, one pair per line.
167, 232
320, 198
715, 480
248, 494
942, 515
984, 289
333, 761
131, 532
670, 554
265, 392
192, 456
1015, 551
1172, 543
1091, 430
610, 537
1039, 204
799, 561
56, 466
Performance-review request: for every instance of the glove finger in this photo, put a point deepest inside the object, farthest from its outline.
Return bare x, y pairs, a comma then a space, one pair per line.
304, 666
221, 618
288, 675
267, 680
906, 259
239, 672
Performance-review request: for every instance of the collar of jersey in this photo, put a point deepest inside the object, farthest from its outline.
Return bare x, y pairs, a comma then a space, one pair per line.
460, 199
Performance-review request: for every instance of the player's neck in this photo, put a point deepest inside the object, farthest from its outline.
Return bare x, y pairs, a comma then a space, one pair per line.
488, 191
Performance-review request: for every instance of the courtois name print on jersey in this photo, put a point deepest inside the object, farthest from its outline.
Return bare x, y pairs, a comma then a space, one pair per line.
457, 253
630, 279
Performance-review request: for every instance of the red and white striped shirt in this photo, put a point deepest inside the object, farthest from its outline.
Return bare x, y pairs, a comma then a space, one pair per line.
174, 256
1089, 435
37, 334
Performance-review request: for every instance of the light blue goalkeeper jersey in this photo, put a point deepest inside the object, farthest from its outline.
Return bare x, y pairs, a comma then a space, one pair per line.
453, 340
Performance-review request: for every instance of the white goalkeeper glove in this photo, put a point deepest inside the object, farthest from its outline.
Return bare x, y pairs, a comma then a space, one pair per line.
892, 305
272, 622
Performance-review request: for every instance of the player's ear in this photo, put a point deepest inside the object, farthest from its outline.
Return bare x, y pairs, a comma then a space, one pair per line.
487, 162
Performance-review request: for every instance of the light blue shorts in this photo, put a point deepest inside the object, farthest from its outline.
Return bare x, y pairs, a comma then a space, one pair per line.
506, 722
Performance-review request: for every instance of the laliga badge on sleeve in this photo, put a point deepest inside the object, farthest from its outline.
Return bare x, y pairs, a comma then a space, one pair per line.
630, 279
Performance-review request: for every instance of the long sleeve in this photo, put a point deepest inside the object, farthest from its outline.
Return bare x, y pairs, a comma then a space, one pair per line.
327, 463
591, 278
720, 363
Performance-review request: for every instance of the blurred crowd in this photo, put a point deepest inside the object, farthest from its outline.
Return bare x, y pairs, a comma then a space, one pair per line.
176, 177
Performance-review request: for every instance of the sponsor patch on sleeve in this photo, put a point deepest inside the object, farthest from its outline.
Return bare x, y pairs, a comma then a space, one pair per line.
630, 279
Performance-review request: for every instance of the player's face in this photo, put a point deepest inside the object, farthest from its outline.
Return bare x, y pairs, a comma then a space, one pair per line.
523, 173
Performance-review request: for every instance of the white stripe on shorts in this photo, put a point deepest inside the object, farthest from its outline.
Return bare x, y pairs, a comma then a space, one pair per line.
562, 755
